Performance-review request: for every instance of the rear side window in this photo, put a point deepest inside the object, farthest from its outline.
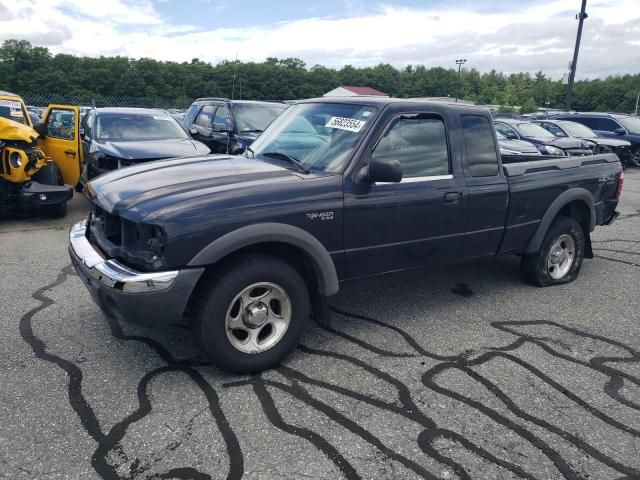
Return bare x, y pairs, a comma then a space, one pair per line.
589, 122
190, 114
419, 143
205, 119
481, 149
607, 125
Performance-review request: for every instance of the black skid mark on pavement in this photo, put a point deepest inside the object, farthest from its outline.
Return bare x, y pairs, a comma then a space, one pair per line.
463, 290
463, 363
85, 413
274, 416
407, 409
88, 419
617, 260
599, 364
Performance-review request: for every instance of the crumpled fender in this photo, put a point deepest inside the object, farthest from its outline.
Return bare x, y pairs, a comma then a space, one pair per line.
14, 131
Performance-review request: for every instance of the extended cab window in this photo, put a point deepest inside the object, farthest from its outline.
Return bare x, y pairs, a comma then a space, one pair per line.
419, 143
205, 119
481, 149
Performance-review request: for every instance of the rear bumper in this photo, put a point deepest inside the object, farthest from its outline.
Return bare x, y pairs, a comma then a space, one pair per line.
147, 299
34, 194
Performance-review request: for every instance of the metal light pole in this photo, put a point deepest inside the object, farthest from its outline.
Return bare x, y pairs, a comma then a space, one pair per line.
637, 100
572, 72
460, 62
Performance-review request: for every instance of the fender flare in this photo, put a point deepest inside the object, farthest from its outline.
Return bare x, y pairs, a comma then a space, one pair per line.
565, 198
318, 256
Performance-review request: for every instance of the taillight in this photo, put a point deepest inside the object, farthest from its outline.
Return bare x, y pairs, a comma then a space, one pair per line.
620, 183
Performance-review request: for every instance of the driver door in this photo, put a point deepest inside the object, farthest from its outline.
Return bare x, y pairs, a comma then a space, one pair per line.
62, 142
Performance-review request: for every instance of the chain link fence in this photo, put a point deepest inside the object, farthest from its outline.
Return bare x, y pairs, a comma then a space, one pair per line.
44, 99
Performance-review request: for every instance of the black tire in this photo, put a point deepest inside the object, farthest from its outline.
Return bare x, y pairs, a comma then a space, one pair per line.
634, 160
534, 266
50, 175
215, 296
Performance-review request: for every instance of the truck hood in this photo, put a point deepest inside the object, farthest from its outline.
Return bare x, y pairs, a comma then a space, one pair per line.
153, 190
610, 142
152, 149
14, 131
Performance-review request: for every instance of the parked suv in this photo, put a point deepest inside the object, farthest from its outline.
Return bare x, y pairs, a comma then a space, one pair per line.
617, 125
229, 126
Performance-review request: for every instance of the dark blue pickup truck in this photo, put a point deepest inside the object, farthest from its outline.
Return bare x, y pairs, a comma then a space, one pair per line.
247, 248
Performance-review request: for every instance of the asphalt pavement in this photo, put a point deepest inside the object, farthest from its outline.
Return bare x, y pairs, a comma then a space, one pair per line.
452, 372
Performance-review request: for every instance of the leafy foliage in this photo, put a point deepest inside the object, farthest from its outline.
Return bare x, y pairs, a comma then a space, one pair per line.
26, 68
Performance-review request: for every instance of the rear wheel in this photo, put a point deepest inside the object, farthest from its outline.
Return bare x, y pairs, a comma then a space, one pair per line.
50, 175
249, 316
560, 257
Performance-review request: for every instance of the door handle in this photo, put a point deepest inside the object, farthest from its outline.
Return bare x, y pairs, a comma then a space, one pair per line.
71, 153
452, 197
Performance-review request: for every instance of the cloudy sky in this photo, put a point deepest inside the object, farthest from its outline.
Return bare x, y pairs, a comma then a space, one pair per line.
508, 35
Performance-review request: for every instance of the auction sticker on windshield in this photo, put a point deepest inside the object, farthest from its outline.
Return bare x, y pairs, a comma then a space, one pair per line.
342, 123
10, 104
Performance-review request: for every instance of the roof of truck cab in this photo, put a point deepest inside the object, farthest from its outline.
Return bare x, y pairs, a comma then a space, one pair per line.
8, 94
386, 101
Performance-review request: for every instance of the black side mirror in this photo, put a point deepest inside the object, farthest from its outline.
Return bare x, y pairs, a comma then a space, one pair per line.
620, 131
511, 135
220, 127
236, 149
41, 129
384, 170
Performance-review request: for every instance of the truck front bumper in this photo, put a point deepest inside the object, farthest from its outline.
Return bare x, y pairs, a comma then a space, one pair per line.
143, 298
34, 194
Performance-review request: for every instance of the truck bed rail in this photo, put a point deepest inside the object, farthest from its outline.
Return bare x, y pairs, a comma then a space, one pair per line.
557, 163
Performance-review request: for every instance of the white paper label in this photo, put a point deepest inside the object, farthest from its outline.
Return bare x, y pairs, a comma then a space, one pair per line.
10, 104
342, 123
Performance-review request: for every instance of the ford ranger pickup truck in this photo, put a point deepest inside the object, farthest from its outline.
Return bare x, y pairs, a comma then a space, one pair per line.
247, 248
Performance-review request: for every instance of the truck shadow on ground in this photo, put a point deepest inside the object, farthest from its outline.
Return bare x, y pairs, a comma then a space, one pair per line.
606, 360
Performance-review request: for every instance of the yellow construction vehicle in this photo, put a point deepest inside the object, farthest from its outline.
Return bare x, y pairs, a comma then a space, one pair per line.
40, 163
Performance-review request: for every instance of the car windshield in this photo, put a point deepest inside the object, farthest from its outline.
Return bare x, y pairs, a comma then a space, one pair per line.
134, 126
13, 111
256, 117
632, 124
532, 130
576, 129
321, 136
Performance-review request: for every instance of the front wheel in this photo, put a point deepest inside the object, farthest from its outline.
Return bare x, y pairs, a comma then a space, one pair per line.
249, 316
635, 158
560, 257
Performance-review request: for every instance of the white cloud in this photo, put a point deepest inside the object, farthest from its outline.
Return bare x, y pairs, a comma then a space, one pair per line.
535, 36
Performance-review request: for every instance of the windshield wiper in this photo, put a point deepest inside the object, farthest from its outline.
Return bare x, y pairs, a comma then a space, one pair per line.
292, 160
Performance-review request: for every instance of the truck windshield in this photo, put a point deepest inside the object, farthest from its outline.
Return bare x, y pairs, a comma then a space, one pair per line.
253, 117
578, 130
320, 136
12, 110
125, 126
